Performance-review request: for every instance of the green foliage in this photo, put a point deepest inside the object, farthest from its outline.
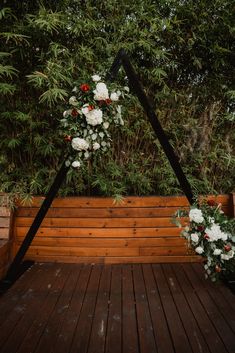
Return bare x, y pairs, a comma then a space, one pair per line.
183, 53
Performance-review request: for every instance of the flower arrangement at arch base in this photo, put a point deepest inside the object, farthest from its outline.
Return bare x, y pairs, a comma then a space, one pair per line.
211, 234
92, 110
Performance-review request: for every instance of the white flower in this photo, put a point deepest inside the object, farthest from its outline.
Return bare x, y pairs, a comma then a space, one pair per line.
114, 96
76, 164
106, 125
194, 237
230, 254
79, 144
199, 250
101, 92
96, 146
96, 78
85, 109
224, 257
195, 215
73, 100
127, 89
94, 117
215, 233
217, 252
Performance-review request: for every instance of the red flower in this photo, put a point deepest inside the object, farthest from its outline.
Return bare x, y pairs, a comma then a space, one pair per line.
211, 203
218, 268
74, 112
227, 248
108, 101
206, 236
85, 87
68, 138
91, 107
200, 228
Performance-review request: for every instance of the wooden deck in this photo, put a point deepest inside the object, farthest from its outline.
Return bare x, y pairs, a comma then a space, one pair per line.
143, 308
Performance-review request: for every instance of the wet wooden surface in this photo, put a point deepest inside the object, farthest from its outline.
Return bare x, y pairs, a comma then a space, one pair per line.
131, 308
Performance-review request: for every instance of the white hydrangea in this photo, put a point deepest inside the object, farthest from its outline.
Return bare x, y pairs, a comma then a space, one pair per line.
106, 125
114, 96
79, 144
96, 78
96, 146
217, 252
94, 117
194, 237
101, 92
196, 216
199, 250
76, 164
215, 233
73, 100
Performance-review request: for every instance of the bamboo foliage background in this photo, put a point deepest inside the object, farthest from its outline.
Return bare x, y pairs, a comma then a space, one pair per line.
183, 53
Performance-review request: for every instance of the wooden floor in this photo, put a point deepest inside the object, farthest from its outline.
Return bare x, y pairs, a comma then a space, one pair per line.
117, 309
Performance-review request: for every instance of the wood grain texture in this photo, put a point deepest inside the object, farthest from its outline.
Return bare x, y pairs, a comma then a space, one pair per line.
83, 229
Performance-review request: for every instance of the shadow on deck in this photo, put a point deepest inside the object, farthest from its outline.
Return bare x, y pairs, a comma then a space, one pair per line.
117, 308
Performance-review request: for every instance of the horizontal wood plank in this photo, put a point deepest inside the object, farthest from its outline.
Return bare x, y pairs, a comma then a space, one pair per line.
106, 242
79, 251
134, 201
5, 212
4, 222
163, 250
4, 233
99, 222
102, 232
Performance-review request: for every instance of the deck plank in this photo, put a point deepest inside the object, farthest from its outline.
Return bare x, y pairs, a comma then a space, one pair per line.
123, 308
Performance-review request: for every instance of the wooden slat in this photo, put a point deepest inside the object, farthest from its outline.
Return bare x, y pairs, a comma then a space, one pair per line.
5, 212
63, 340
208, 330
134, 201
179, 337
4, 233
4, 222
160, 325
212, 310
76, 251
161, 250
114, 327
115, 259
82, 334
129, 332
99, 327
145, 329
192, 330
106, 242
102, 232
98, 222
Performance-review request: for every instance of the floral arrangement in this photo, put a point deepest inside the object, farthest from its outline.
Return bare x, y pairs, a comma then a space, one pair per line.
212, 235
93, 109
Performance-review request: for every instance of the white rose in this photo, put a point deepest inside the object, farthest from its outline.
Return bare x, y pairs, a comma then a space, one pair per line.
217, 252
76, 164
114, 96
106, 125
96, 146
194, 237
73, 100
94, 117
196, 216
231, 254
215, 233
101, 92
96, 78
199, 250
79, 144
